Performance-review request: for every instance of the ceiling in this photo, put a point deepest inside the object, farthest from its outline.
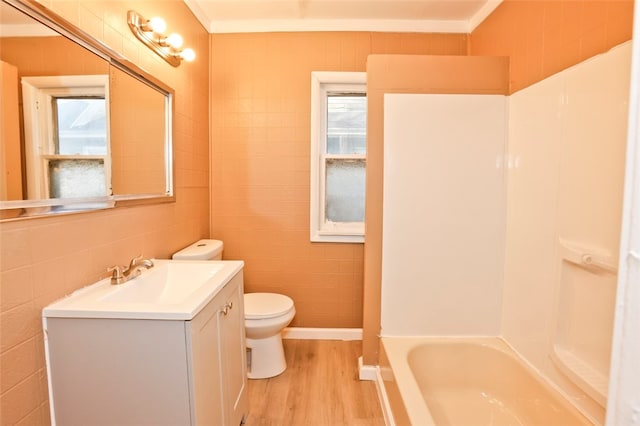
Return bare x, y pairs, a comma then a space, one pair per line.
241, 16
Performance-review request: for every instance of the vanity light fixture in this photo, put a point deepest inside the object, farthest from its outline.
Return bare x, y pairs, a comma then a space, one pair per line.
151, 33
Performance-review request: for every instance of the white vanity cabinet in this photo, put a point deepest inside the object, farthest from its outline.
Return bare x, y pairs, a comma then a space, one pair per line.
218, 332
233, 359
140, 371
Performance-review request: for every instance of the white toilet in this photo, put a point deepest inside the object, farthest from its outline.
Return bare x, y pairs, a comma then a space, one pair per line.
201, 250
266, 315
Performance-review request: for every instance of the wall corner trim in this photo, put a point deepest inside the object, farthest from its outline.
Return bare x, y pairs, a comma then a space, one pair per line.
366, 372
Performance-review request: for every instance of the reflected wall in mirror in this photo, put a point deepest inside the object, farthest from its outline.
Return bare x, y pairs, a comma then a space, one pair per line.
137, 151
78, 121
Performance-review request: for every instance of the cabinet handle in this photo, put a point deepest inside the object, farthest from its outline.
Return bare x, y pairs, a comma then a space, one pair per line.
226, 308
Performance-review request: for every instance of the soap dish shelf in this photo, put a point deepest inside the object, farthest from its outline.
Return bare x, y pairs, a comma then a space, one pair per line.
588, 258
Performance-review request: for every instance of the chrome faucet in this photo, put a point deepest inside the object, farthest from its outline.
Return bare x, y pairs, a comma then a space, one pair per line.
122, 274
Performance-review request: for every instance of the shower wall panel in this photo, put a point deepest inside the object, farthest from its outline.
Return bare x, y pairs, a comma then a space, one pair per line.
443, 214
566, 146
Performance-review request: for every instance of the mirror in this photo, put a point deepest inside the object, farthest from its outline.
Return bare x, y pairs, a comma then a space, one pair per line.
82, 128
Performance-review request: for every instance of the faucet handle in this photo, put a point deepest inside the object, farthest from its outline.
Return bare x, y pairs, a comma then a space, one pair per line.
135, 261
117, 276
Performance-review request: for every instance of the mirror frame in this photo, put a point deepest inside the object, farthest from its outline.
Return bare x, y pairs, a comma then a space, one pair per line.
26, 209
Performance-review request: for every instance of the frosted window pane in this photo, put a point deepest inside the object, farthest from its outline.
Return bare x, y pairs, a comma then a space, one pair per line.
346, 124
76, 178
345, 185
81, 126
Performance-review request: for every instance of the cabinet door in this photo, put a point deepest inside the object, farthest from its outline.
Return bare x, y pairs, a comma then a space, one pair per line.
205, 350
106, 372
233, 353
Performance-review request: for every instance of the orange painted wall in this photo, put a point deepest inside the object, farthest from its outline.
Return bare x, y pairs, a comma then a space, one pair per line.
260, 100
543, 37
44, 259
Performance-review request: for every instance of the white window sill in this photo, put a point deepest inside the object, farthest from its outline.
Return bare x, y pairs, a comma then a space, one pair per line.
354, 239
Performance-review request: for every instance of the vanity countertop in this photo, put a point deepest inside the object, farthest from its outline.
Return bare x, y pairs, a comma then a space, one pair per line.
170, 290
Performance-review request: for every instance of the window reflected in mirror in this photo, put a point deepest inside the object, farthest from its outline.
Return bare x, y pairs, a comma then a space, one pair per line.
73, 178
65, 132
80, 125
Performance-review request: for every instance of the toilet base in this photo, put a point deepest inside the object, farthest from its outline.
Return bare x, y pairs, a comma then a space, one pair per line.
267, 357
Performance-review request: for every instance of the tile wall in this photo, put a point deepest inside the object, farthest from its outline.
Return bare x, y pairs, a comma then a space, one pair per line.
260, 100
46, 258
543, 37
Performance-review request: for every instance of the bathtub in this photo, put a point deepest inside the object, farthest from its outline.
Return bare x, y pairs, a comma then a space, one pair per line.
465, 382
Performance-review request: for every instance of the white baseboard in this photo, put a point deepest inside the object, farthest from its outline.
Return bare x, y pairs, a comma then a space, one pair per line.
384, 400
366, 372
322, 333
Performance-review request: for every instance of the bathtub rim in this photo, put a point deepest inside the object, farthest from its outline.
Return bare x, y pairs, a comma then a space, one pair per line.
396, 350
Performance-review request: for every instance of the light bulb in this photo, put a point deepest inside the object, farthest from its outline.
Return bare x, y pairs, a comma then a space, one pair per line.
157, 25
174, 40
188, 54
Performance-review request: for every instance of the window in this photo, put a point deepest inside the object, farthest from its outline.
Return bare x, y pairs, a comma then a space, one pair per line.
338, 156
67, 145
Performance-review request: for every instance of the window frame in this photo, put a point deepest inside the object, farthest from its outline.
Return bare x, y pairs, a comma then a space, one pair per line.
39, 129
323, 83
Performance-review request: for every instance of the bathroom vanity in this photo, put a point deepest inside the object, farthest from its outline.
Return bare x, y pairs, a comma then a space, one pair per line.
166, 348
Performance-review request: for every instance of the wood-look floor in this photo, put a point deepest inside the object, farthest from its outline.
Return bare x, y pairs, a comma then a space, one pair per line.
319, 387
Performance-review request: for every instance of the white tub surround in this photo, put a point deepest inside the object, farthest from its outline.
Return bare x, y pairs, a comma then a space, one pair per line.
444, 207
567, 138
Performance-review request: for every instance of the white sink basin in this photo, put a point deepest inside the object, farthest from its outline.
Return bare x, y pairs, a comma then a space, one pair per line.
171, 289
168, 283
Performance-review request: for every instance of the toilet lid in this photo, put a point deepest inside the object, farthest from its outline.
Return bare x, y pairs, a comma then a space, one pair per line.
266, 305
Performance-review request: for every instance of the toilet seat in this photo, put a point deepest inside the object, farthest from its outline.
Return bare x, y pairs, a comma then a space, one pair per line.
266, 305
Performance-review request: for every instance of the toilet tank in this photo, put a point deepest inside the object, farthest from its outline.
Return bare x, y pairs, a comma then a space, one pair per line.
201, 250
